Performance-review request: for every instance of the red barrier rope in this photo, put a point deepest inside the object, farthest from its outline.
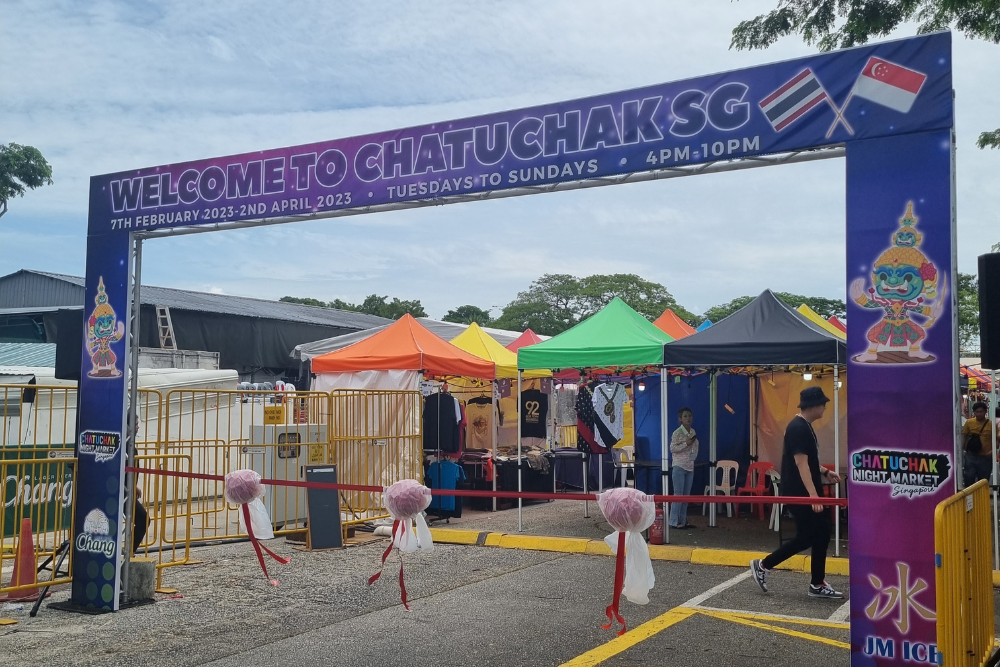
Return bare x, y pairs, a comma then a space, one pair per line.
469, 493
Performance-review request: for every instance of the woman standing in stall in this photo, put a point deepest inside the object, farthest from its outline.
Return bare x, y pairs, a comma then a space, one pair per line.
684, 447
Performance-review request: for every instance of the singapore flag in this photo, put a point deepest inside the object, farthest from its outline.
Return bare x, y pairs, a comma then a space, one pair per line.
889, 84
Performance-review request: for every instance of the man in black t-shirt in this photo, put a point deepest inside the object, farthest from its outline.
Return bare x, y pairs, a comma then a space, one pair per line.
802, 476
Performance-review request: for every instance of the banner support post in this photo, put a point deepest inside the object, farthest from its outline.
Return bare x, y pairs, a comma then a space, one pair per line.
132, 374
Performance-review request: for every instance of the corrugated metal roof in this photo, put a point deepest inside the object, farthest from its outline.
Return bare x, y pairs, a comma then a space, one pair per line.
228, 304
28, 354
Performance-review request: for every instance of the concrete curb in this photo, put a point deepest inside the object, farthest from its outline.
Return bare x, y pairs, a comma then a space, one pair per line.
580, 545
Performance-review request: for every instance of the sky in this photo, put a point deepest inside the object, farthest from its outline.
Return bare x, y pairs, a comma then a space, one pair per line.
102, 87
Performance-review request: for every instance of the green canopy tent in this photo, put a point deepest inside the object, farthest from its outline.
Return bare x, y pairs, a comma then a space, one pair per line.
615, 337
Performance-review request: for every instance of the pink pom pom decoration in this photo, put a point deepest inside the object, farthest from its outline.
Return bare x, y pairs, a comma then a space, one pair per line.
243, 486
406, 499
627, 510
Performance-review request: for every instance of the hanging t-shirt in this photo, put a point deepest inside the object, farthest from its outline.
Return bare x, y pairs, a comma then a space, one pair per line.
534, 414
442, 415
444, 475
609, 403
479, 432
585, 422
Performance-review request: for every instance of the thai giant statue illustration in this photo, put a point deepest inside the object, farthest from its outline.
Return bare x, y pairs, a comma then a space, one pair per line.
103, 330
904, 285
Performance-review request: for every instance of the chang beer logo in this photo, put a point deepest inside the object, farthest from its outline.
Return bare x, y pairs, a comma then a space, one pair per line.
103, 445
908, 473
96, 537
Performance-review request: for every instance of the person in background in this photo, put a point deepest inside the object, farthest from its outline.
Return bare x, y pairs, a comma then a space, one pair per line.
684, 447
802, 476
977, 439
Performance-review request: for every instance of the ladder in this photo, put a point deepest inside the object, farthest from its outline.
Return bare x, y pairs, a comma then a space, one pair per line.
165, 328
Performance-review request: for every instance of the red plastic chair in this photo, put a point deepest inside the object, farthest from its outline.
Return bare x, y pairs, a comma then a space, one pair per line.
756, 485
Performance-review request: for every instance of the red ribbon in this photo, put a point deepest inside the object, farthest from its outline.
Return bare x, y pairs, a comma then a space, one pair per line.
612, 610
396, 524
257, 546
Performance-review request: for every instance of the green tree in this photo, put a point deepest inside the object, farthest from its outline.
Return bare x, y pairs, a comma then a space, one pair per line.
22, 168
372, 305
555, 302
968, 312
837, 24
305, 301
468, 314
823, 306
648, 298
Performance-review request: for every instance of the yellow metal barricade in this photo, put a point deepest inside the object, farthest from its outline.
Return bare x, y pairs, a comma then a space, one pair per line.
964, 577
39, 488
274, 433
376, 440
167, 502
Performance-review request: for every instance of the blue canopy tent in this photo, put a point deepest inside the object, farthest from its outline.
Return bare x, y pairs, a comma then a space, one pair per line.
704, 325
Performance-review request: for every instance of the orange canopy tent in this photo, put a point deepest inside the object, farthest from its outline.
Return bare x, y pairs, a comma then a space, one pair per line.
835, 321
405, 345
672, 325
529, 337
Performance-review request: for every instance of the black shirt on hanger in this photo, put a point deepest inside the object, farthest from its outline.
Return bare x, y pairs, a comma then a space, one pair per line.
534, 414
441, 423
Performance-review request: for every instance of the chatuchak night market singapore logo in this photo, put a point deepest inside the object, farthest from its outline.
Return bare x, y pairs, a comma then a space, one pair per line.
908, 473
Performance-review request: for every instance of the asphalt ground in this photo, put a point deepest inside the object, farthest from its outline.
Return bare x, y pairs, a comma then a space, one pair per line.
470, 605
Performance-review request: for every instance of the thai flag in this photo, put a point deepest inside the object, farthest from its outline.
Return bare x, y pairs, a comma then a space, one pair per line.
788, 103
888, 84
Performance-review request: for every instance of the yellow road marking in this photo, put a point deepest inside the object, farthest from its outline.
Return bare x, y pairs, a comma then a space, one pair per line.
7, 621
818, 622
734, 618
598, 655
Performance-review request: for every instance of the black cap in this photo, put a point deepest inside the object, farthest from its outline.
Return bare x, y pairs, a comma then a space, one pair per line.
811, 397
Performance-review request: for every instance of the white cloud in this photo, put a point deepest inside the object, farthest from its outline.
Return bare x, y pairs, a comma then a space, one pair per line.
115, 85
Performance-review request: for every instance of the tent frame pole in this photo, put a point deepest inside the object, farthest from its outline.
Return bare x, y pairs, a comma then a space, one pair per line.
496, 426
520, 501
712, 427
664, 452
836, 456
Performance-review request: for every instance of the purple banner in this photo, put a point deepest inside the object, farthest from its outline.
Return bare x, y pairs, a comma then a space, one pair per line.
903, 389
871, 91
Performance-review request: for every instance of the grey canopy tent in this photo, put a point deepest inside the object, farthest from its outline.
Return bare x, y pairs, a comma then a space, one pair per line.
764, 333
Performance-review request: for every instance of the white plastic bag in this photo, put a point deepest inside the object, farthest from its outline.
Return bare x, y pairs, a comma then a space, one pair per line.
639, 578
631, 512
260, 521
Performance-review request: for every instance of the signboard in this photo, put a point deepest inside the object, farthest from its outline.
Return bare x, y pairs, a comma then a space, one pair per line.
901, 397
274, 414
826, 99
324, 509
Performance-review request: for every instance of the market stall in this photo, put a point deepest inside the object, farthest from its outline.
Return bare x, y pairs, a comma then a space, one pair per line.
497, 467
764, 336
381, 429
613, 345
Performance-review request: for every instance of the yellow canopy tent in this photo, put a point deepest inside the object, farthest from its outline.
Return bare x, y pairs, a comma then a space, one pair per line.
818, 320
478, 343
